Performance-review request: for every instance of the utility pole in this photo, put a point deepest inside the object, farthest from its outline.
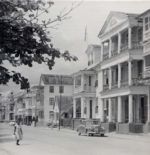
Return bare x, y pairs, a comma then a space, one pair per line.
60, 91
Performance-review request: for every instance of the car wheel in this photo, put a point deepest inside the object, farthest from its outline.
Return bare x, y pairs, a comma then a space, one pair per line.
102, 135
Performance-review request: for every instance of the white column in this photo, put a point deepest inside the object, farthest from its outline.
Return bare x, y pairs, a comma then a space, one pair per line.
119, 109
130, 108
129, 73
148, 108
110, 77
119, 75
110, 47
129, 37
82, 107
119, 42
110, 111
101, 110
82, 82
74, 82
74, 108
101, 52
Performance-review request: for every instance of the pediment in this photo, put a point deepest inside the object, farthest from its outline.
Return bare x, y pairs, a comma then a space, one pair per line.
114, 19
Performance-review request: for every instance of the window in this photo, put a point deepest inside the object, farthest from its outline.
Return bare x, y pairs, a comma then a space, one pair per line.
89, 80
96, 109
41, 114
85, 110
51, 101
147, 61
61, 89
66, 115
51, 115
51, 89
146, 24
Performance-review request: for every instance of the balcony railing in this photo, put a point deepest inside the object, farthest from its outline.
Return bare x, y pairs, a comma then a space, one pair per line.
114, 85
124, 82
136, 45
124, 47
137, 81
105, 56
90, 89
114, 52
105, 87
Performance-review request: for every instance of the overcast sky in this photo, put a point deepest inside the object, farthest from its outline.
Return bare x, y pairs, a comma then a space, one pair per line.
70, 34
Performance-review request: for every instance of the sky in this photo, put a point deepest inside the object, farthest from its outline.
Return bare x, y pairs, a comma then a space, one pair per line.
70, 34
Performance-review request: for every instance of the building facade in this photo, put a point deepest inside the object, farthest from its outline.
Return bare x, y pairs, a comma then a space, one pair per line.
122, 101
145, 18
85, 101
34, 106
56, 89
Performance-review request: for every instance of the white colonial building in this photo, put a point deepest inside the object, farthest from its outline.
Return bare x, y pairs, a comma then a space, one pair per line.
145, 17
85, 85
57, 88
123, 99
110, 88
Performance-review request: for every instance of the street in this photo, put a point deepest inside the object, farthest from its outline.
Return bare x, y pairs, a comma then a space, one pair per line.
46, 141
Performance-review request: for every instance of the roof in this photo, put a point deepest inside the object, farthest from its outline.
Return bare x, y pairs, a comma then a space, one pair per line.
56, 79
144, 13
91, 48
116, 13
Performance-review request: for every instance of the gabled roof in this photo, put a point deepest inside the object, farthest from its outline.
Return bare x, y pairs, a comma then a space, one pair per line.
144, 13
56, 79
91, 48
115, 18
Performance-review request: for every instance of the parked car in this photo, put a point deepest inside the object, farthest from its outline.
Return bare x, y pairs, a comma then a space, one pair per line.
91, 127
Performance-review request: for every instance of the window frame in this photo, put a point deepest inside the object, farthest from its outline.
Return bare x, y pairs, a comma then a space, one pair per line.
50, 101
61, 88
51, 89
147, 23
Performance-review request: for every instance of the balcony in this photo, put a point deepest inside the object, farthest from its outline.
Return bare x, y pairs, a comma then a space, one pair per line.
124, 47
114, 85
105, 56
114, 52
136, 45
124, 83
105, 87
89, 89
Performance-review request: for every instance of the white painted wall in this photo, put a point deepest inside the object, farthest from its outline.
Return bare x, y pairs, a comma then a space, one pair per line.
68, 91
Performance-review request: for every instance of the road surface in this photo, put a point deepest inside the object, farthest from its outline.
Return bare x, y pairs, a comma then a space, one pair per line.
46, 141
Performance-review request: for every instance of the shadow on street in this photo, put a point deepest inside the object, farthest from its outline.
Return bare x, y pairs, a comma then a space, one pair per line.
5, 138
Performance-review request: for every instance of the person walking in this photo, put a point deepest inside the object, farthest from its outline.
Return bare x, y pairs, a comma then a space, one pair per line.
18, 132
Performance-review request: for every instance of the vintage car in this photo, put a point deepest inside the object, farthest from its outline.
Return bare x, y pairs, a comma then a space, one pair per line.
91, 127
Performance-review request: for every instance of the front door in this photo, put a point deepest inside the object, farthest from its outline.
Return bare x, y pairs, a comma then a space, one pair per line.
143, 107
90, 108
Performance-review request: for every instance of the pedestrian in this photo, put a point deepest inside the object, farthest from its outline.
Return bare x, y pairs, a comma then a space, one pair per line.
18, 132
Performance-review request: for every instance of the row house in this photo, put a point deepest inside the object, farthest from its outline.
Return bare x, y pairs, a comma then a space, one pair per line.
33, 106
123, 99
85, 102
110, 88
8, 106
145, 18
57, 93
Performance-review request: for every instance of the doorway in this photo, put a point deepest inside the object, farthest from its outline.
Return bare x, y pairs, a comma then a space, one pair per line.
91, 108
